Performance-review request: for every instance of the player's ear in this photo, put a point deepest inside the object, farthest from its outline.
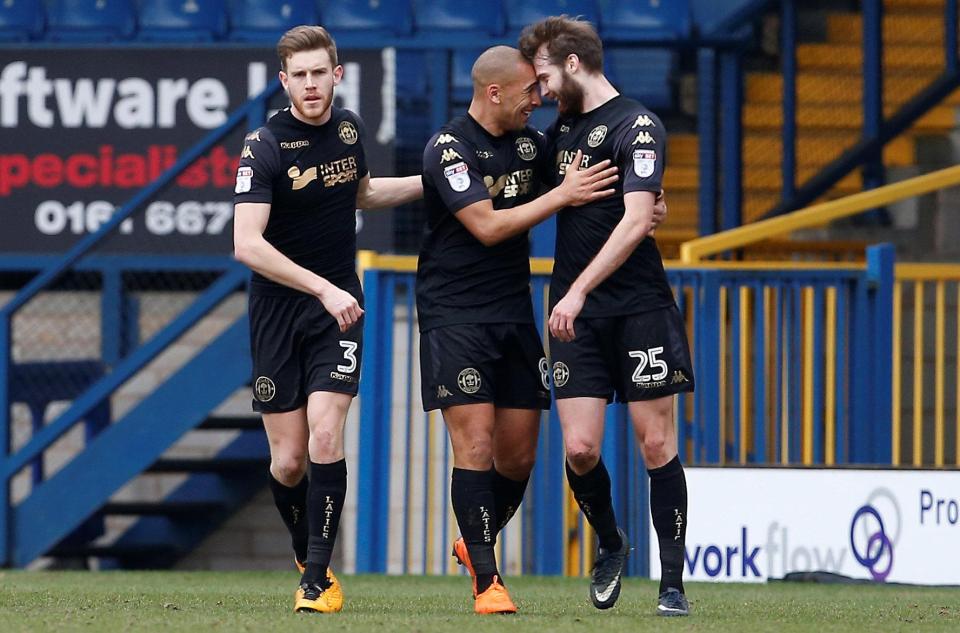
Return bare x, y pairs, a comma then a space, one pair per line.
337, 74
572, 63
494, 93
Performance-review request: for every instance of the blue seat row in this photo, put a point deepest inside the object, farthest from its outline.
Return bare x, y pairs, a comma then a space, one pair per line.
645, 74
263, 20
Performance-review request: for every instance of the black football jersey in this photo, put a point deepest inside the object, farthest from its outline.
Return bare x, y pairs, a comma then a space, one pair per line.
459, 280
310, 175
634, 139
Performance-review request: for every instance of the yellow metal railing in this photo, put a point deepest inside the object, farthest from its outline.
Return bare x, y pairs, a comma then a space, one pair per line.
929, 417
817, 215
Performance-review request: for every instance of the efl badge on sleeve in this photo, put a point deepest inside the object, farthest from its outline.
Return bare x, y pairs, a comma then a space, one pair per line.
244, 179
458, 177
644, 162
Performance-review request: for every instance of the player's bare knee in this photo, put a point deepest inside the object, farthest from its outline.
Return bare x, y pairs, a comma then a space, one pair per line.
516, 466
477, 455
655, 448
582, 457
289, 468
325, 447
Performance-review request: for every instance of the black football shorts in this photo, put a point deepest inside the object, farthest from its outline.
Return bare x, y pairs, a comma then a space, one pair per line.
502, 363
634, 357
297, 349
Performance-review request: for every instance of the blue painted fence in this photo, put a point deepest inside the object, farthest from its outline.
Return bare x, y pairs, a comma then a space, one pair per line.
800, 375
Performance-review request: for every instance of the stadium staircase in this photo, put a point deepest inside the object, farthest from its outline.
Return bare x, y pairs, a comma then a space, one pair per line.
89, 507
829, 106
140, 446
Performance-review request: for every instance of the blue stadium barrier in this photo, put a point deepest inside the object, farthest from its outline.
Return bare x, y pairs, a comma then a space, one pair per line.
461, 85
90, 20
21, 20
644, 74
645, 20
182, 21
520, 13
369, 17
266, 20
788, 368
458, 16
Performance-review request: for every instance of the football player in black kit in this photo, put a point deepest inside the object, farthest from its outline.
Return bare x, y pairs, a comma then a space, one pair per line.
481, 359
300, 180
615, 328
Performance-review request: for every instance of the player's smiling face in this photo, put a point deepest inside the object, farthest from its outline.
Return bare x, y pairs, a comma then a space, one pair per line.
309, 80
521, 97
557, 84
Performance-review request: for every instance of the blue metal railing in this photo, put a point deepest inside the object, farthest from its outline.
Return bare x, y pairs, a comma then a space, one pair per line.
117, 367
789, 361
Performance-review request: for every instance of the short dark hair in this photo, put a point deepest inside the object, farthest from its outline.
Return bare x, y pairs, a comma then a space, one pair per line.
563, 35
305, 38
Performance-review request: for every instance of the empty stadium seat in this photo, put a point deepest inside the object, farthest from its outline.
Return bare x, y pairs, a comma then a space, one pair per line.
90, 20
411, 74
20, 20
461, 85
644, 74
523, 12
645, 20
182, 20
471, 16
376, 17
267, 20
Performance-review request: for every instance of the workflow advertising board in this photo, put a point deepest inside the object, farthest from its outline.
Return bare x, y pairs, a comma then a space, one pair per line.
753, 524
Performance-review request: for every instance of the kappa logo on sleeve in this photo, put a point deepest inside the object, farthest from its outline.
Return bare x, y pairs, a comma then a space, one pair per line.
644, 162
644, 137
643, 120
458, 177
450, 154
445, 138
244, 179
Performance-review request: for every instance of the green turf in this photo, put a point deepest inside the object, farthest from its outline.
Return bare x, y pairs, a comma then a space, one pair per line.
209, 602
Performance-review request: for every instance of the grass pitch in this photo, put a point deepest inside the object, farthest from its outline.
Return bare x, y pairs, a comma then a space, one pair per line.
248, 601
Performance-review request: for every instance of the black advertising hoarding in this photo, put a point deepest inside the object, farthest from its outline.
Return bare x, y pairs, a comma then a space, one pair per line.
82, 130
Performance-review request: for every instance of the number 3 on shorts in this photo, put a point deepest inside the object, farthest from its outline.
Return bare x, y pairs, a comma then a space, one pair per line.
649, 358
349, 347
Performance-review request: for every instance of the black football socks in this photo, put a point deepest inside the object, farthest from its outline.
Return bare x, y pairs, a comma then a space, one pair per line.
508, 494
325, 498
472, 497
291, 501
668, 507
592, 492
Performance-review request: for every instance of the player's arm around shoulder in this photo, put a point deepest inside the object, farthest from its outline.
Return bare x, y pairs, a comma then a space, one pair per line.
377, 193
579, 186
383, 192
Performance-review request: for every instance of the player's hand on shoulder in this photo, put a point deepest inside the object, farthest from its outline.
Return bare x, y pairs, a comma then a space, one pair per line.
564, 314
341, 305
587, 185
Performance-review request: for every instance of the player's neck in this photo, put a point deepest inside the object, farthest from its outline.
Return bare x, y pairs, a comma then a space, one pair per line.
486, 118
597, 90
